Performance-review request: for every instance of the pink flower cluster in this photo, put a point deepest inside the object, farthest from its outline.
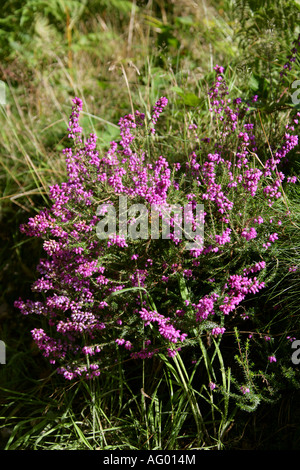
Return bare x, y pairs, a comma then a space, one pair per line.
205, 307
95, 290
239, 286
165, 328
157, 110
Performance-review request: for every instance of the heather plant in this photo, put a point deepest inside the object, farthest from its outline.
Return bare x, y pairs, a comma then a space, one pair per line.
104, 301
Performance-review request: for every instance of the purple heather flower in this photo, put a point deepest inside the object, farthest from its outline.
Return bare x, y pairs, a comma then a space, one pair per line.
212, 385
76, 276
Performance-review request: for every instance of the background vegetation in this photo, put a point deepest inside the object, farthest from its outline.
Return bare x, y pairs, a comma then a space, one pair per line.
117, 56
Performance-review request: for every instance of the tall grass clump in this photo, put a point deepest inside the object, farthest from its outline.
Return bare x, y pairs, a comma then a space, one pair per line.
179, 321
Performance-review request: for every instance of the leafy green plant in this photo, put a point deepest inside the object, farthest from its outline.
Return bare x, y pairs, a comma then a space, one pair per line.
199, 396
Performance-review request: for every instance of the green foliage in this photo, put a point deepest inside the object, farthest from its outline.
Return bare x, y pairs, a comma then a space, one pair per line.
109, 51
264, 32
